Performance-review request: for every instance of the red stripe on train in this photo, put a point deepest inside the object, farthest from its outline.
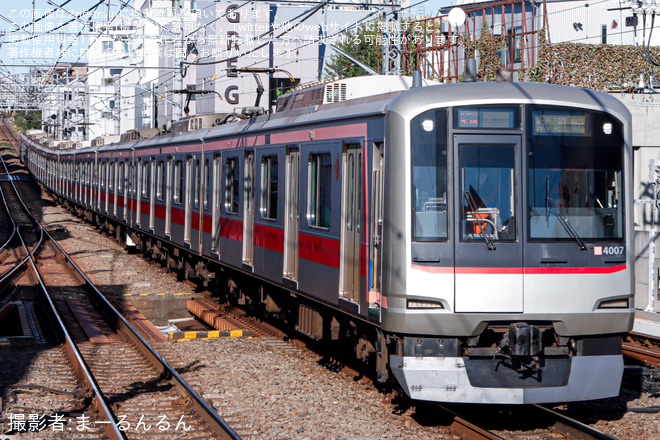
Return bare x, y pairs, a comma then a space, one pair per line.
319, 249
521, 270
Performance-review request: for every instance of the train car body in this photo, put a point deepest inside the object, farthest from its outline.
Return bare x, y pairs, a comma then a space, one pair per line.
474, 239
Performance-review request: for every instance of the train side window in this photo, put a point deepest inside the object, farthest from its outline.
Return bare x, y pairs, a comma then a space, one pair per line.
231, 185
269, 192
319, 190
178, 182
160, 180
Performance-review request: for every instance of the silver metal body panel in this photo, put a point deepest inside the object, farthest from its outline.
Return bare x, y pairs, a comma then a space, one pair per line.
544, 297
446, 380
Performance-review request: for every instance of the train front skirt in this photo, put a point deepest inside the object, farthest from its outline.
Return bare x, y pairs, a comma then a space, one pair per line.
446, 379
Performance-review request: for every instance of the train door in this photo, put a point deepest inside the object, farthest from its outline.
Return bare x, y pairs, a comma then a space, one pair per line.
152, 195
140, 171
216, 203
248, 209
376, 226
116, 173
168, 197
489, 258
291, 214
189, 195
128, 172
351, 212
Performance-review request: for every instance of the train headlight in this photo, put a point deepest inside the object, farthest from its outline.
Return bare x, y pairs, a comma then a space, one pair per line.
418, 304
614, 304
427, 125
607, 128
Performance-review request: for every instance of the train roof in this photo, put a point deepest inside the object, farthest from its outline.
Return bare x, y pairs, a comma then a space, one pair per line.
481, 93
397, 97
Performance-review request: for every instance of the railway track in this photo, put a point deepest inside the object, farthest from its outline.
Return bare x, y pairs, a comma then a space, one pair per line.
643, 348
497, 422
118, 386
644, 351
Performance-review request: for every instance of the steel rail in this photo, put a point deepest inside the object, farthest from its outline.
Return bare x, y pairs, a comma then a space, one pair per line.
460, 425
647, 355
573, 428
19, 267
204, 410
80, 366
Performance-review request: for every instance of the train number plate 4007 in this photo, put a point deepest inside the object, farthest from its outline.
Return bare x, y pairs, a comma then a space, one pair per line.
609, 250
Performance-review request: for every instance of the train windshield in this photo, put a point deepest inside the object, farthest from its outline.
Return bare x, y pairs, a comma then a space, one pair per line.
575, 161
429, 157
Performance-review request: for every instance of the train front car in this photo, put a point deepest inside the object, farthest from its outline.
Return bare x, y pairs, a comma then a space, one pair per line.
507, 242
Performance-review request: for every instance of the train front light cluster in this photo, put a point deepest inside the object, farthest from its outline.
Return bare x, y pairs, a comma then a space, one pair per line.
417, 304
614, 304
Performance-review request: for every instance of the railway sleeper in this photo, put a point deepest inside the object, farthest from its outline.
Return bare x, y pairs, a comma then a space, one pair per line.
318, 322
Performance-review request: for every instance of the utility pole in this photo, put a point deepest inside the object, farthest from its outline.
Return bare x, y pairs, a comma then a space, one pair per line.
392, 40
179, 58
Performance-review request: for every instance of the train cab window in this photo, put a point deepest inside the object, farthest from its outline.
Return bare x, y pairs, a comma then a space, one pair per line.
575, 164
231, 185
429, 174
269, 192
488, 185
319, 190
178, 182
160, 180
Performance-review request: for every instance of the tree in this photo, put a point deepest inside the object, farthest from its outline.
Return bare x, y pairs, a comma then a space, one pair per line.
364, 44
30, 117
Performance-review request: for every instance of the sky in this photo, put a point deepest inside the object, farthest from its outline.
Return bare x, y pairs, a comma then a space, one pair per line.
21, 50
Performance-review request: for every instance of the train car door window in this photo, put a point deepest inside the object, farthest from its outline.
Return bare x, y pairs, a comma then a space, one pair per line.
487, 173
319, 193
248, 209
178, 182
292, 214
160, 180
349, 265
198, 184
489, 258
231, 185
207, 185
269, 187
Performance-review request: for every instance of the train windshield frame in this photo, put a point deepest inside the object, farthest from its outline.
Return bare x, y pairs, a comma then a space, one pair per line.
429, 176
575, 175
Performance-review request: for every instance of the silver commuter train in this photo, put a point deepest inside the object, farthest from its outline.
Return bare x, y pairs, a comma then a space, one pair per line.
473, 239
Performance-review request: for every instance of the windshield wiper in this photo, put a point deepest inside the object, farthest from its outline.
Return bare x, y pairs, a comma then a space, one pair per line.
481, 223
569, 228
